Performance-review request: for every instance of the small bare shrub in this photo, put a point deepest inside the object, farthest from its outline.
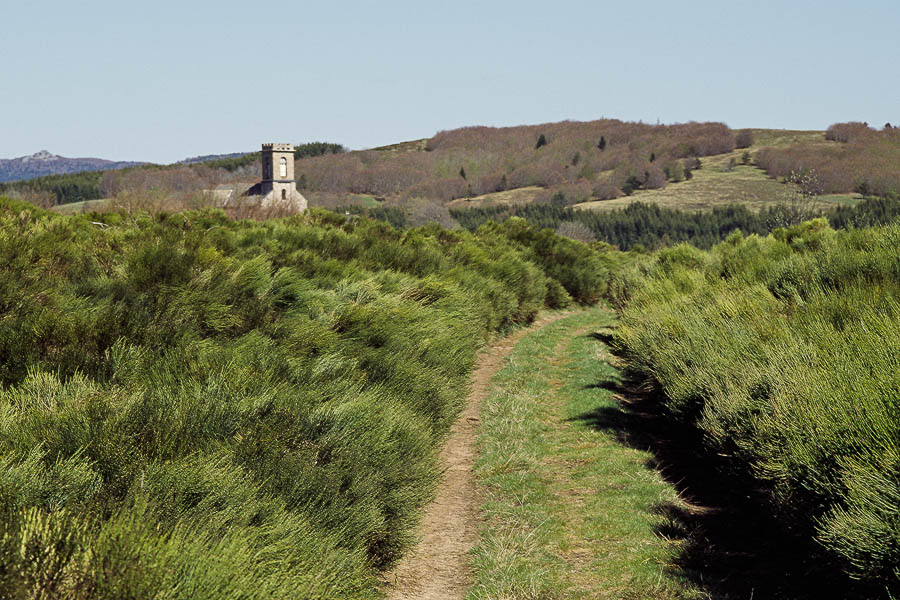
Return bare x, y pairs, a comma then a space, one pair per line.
422, 211
606, 190
654, 178
575, 192
676, 172
800, 204
743, 139
576, 230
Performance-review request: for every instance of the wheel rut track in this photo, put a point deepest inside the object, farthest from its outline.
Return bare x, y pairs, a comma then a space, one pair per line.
437, 568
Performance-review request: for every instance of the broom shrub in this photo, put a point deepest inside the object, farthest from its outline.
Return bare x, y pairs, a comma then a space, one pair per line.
785, 351
194, 407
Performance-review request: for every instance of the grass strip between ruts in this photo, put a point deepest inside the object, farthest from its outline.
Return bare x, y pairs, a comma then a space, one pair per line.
568, 510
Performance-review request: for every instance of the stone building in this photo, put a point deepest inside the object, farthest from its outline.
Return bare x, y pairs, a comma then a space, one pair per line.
278, 188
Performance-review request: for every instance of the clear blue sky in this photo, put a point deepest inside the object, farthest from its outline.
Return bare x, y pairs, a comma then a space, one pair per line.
164, 80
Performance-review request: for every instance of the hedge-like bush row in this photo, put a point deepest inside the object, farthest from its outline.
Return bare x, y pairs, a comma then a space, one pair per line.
785, 351
193, 407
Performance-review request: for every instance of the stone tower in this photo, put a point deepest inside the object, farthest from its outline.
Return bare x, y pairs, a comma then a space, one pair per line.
278, 187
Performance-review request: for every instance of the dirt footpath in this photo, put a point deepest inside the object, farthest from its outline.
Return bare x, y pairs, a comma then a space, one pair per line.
438, 567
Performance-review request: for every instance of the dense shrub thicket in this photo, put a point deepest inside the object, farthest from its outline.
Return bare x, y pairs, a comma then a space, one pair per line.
651, 226
865, 162
785, 351
193, 407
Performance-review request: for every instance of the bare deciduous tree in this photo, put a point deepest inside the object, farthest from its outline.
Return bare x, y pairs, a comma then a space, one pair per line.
576, 230
800, 204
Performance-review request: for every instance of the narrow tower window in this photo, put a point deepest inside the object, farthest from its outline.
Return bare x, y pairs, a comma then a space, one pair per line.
283, 167
283, 193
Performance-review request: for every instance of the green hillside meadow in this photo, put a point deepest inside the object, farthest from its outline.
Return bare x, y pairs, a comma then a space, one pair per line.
194, 407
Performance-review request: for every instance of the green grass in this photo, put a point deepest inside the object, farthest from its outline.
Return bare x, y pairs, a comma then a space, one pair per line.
74, 208
339, 202
779, 138
832, 200
568, 509
403, 147
522, 195
711, 186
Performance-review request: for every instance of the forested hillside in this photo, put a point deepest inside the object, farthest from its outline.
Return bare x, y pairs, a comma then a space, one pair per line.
202, 408
603, 157
57, 189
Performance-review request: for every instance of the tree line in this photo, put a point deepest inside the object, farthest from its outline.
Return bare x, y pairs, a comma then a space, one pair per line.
60, 189
651, 226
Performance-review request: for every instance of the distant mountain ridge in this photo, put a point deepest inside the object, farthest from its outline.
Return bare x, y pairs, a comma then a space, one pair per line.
45, 163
